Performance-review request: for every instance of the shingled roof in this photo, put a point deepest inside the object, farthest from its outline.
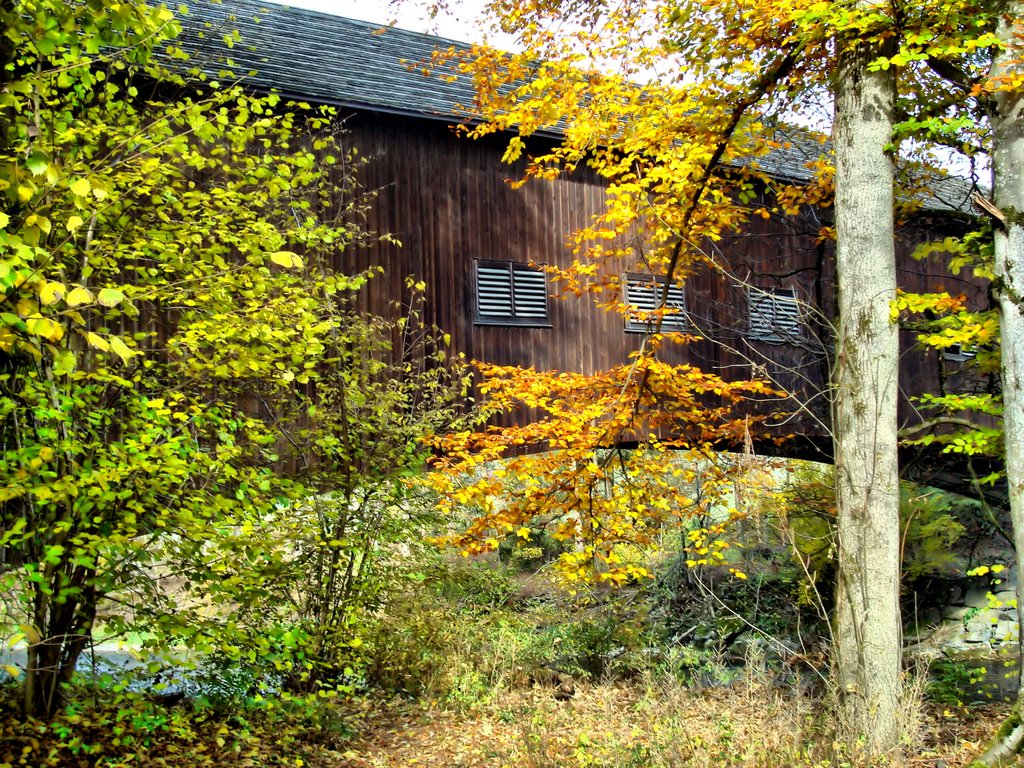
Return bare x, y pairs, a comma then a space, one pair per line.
325, 59
799, 148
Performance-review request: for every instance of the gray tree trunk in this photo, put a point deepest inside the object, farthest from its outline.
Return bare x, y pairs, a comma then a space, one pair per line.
1007, 119
867, 622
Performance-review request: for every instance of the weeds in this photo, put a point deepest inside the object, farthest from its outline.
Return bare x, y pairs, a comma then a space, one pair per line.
461, 649
657, 723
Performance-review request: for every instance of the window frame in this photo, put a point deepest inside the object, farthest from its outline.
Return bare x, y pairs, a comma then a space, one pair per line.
757, 298
514, 318
678, 322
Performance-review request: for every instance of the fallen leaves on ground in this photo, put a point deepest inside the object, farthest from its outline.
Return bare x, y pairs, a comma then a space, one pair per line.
614, 725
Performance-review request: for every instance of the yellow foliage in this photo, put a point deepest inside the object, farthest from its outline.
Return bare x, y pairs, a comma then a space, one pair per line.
570, 473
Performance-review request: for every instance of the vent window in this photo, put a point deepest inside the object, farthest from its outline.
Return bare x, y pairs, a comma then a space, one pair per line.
643, 295
774, 315
959, 353
508, 293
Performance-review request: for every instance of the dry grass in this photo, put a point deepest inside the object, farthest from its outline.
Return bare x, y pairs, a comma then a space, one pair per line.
650, 725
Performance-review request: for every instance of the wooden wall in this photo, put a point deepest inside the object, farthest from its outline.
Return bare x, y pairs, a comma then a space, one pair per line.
448, 201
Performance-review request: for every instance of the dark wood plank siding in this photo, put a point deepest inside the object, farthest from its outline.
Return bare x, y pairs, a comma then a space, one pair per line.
448, 200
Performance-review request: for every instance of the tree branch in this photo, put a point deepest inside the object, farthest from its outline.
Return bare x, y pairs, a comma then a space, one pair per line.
952, 73
941, 421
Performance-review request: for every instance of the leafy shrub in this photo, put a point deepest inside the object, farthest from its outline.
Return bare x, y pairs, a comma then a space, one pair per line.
475, 585
806, 513
104, 726
227, 684
530, 554
948, 680
606, 640
450, 634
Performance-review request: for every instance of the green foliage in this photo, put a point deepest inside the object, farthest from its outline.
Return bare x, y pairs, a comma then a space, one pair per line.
805, 510
173, 337
451, 636
930, 531
123, 728
529, 553
315, 568
475, 586
949, 680
606, 640
966, 412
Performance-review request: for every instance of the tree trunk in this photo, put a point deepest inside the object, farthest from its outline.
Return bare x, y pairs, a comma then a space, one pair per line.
52, 658
1007, 119
867, 622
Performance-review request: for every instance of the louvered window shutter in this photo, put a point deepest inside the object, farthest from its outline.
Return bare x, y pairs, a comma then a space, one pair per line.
529, 293
643, 295
508, 293
774, 315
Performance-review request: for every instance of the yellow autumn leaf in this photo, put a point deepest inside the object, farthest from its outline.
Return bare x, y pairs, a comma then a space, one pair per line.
79, 296
286, 259
44, 327
27, 307
514, 150
51, 292
97, 342
119, 348
7, 340
74, 223
80, 187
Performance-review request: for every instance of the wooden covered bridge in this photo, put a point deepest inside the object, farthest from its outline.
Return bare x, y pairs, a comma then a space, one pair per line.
477, 242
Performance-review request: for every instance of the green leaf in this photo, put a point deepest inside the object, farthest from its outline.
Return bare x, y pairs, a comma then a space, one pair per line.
53, 554
64, 362
110, 297
37, 163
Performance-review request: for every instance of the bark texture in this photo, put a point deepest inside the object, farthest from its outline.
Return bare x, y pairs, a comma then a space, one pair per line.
1007, 119
867, 623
